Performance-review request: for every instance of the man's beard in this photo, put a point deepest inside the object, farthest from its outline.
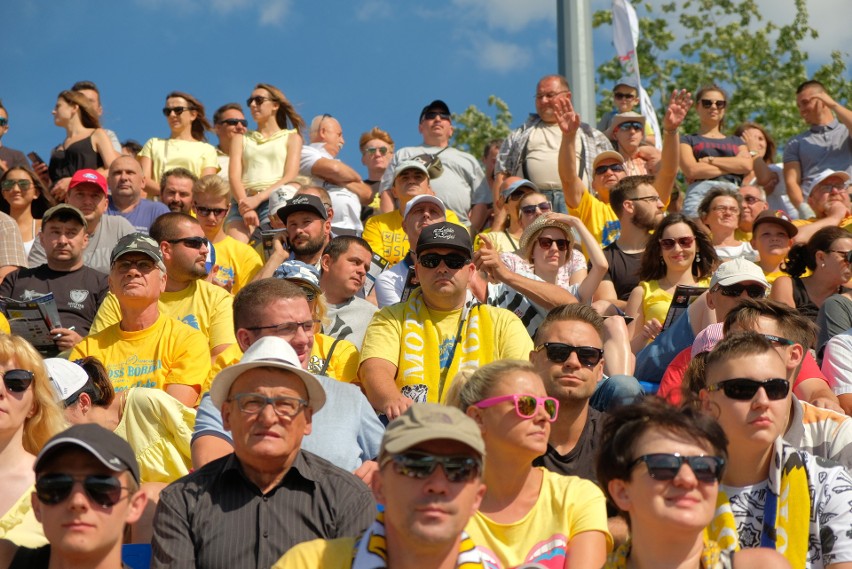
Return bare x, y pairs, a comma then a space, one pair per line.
646, 221
310, 247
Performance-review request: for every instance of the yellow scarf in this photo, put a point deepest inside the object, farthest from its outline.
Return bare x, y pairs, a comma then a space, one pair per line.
788, 529
711, 557
419, 370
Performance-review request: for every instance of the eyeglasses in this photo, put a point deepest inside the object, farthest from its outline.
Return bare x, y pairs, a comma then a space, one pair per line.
542, 96
832, 186
191, 242
707, 103
623, 96
432, 260
167, 111
546, 242
732, 209
684, 243
3, 121
257, 100
104, 491
9, 185
558, 353
543, 207
383, 150
289, 328
665, 466
234, 122
601, 170
645, 199
744, 389
254, 403
751, 200
142, 265
202, 211
431, 115
632, 125
421, 465
847, 255
736, 290
17, 380
525, 405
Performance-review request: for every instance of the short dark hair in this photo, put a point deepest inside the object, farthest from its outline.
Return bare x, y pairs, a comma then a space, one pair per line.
576, 312
737, 345
791, 324
809, 84
85, 86
716, 192
226, 107
341, 244
177, 173
132, 145
165, 227
626, 189
251, 301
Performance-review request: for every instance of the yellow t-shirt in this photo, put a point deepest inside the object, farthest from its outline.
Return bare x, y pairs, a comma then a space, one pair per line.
386, 237
325, 553
158, 428
4, 325
168, 352
169, 153
202, 305
237, 262
656, 301
19, 524
566, 506
503, 242
599, 218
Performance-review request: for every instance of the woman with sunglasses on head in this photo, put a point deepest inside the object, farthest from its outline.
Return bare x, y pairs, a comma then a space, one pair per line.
679, 253
86, 144
827, 256
661, 467
24, 198
29, 416
720, 211
262, 159
708, 158
186, 146
528, 514
772, 495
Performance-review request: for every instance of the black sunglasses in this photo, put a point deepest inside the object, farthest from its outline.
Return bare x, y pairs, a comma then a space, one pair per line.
421, 465
234, 122
191, 242
55, 488
257, 100
546, 242
17, 380
177, 110
3, 121
684, 242
453, 261
847, 255
202, 211
623, 96
707, 103
588, 356
744, 389
632, 125
665, 466
543, 207
736, 290
601, 170
429, 115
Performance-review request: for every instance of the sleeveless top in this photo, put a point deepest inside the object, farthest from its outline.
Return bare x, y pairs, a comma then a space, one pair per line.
803, 301
77, 156
26, 558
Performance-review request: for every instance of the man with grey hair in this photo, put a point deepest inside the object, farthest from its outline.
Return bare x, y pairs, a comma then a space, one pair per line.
754, 202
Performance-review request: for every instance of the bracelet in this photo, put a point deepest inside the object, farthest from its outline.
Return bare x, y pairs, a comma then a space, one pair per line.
675, 131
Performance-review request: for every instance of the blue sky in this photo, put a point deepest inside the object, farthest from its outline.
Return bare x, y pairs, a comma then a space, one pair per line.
367, 62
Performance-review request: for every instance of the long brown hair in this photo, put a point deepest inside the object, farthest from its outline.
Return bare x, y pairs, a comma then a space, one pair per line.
88, 116
286, 110
200, 125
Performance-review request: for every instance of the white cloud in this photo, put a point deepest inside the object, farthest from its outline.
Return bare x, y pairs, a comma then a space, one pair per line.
509, 15
498, 56
269, 12
273, 12
368, 10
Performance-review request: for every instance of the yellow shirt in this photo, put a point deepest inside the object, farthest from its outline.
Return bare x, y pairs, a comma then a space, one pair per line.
325, 553
4, 325
204, 306
19, 524
168, 352
158, 428
169, 153
237, 262
656, 301
599, 218
386, 237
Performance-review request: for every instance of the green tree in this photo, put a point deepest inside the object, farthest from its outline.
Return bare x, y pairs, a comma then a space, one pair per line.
728, 43
474, 128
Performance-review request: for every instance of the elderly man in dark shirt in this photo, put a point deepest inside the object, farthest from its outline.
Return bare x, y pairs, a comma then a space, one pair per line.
248, 508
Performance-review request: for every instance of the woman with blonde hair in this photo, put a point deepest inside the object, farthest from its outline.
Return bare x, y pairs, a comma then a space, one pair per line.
29, 417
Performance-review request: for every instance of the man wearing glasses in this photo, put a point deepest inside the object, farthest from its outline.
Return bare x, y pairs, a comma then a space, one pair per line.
829, 200
249, 507
86, 494
430, 483
146, 348
754, 203
228, 122
127, 182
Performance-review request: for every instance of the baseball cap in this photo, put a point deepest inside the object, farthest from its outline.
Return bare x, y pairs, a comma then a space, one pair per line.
737, 271
110, 449
516, 185
445, 234
138, 243
269, 351
409, 165
279, 196
424, 198
621, 118
777, 217
607, 154
64, 208
304, 273
88, 176
436, 105
627, 81
66, 378
707, 339
423, 422
303, 202
824, 175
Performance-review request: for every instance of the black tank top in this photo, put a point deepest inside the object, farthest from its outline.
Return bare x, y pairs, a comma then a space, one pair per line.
77, 156
26, 558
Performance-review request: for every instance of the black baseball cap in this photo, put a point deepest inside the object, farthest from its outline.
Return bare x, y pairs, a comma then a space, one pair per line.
111, 450
303, 202
445, 234
436, 105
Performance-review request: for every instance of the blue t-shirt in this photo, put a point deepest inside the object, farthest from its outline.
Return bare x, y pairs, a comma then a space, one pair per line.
142, 216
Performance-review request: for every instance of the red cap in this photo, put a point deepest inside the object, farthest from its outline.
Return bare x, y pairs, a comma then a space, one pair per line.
88, 176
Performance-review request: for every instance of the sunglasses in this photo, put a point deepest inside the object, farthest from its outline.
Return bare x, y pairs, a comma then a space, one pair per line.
142, 265
707, 103
254, 403
684, 242
546, 242
234, 122
383, 150
847, 255
167, 111
558, 353
736, 290
17, 380
632, 125
202, 211
3, 122
751, 200
257, 100
23, 184
289, 328
421, 465
432, 260
778, 340
525, 405
623, 96
601, 170
744, 389
664, 466
191, 242
105, 491
543, 207
430, 115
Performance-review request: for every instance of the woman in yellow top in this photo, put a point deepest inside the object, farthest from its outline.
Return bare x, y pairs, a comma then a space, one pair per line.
29, 416
186, 146
528, 514
678, 254
262, 159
